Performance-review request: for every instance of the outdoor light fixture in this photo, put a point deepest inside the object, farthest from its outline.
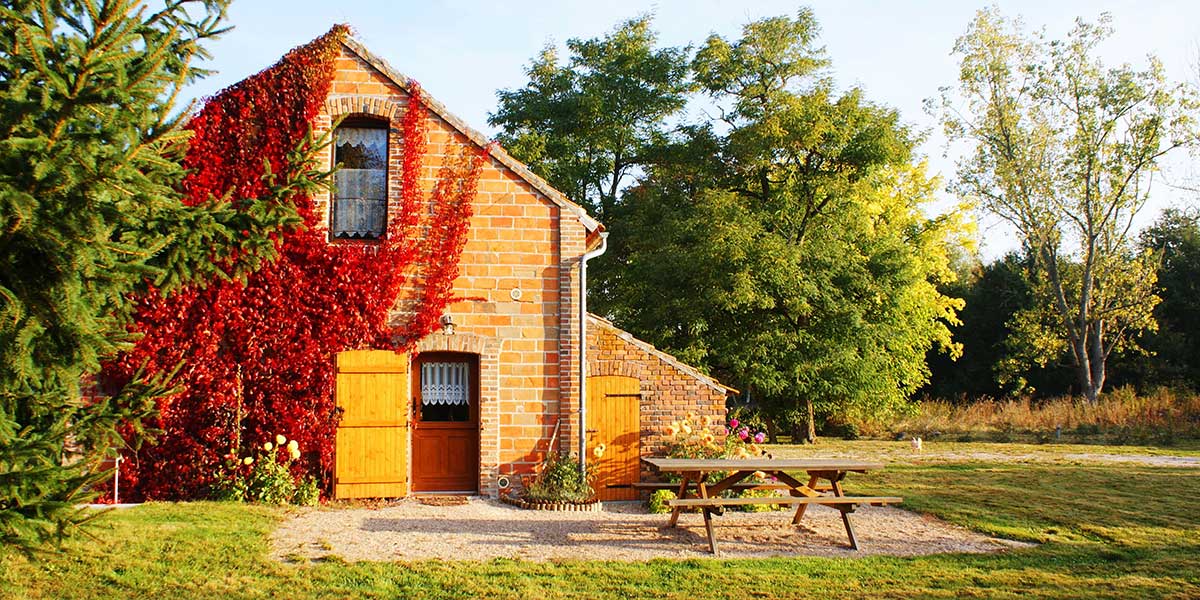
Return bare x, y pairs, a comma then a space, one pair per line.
447, 324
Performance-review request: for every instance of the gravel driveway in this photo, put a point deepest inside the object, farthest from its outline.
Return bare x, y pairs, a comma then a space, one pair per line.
485, 529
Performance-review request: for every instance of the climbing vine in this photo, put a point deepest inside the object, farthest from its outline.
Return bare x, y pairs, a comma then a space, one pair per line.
257, 357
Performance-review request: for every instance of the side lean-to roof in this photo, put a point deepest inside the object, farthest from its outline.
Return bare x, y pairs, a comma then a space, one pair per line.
675, 363
497, 152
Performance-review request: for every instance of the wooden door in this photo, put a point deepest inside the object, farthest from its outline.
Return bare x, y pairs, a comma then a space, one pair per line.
446, 423
370, 456
614, 419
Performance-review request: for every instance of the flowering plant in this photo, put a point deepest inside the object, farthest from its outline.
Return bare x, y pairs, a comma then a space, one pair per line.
702, 437
267, 476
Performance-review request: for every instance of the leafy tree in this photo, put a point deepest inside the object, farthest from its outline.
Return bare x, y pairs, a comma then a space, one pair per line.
993, 294
1173, 349
788, 254
90, 214
589, 125
1063, 150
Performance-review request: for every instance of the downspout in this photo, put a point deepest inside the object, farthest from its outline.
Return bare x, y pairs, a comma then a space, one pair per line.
583, 348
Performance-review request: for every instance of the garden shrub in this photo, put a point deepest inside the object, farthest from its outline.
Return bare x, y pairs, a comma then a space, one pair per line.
658, 501
560, 480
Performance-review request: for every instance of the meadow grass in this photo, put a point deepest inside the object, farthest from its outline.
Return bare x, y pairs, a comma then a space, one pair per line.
1104, 531
1121, 416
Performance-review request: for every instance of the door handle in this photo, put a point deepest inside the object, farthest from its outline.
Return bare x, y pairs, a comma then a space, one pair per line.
591, 431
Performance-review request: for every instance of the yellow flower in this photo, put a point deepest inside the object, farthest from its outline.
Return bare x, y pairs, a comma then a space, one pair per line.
760, 475
279, 439
267, 446
741, 453
706, 420
691, 417
708, 437
598, 451
293, 452
247, 461
687, 428
755, 450
293, 446
672, 431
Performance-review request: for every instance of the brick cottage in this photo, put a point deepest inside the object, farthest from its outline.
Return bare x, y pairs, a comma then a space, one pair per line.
478, 404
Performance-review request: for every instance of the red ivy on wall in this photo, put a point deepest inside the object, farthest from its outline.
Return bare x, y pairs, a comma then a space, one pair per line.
258, 357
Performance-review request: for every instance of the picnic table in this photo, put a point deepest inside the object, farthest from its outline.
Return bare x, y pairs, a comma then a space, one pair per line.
694, 491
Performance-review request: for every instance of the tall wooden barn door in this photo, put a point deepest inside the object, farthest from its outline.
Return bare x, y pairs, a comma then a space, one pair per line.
613, 419
371, 456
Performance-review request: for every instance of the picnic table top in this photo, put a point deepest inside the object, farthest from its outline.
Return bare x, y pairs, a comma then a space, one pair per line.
760, 464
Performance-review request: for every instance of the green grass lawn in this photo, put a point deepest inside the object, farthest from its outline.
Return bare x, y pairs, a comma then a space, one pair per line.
1106, 531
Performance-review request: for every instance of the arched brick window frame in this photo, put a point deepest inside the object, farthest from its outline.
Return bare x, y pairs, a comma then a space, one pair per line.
383, 110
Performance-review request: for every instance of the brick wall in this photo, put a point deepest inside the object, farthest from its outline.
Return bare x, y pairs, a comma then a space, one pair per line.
518, 270
670, 389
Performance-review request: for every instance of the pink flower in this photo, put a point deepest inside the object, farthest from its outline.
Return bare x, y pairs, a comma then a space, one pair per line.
733, 423
743, 434
759, 437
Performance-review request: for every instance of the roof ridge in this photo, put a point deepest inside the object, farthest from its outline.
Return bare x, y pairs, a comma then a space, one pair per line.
495, 150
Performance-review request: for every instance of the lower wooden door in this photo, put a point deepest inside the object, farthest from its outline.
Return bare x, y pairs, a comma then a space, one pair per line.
445, 432
614, 420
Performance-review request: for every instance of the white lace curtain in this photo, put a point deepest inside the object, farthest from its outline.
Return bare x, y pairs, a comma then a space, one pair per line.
444, 383
372, 140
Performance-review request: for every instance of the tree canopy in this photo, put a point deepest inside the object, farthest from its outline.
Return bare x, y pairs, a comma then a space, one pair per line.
1064, 149
590, 124
781, 244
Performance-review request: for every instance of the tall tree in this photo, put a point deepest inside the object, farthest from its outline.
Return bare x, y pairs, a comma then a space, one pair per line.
589, 125
1174, 350
90, 214
788, 253
1064, 149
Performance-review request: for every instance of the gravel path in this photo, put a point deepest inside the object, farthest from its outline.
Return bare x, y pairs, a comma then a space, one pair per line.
485, 529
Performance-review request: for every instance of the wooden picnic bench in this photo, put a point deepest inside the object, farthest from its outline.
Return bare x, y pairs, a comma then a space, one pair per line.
694, 491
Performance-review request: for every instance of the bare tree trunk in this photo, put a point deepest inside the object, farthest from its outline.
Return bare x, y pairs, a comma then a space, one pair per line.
812, 422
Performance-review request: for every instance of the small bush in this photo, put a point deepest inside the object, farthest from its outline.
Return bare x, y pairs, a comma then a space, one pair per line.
560, 480
658, 502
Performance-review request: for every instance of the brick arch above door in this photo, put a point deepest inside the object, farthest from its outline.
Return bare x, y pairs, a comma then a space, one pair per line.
488, 350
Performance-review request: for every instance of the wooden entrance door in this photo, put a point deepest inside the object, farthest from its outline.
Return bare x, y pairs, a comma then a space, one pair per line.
446, 423
614, 419
370, 458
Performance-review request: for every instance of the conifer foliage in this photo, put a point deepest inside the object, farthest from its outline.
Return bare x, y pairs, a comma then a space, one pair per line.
91, 213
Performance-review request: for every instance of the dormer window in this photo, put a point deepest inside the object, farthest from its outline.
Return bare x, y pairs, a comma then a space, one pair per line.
360, 185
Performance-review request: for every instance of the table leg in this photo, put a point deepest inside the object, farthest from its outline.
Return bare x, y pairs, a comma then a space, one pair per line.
849, 528
812, 483
708, 515
708, 527
681, 494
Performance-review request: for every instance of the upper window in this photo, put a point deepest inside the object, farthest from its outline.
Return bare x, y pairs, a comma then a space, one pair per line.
360, 185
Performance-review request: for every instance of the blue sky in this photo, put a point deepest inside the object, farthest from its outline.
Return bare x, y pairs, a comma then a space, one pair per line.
898, 52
